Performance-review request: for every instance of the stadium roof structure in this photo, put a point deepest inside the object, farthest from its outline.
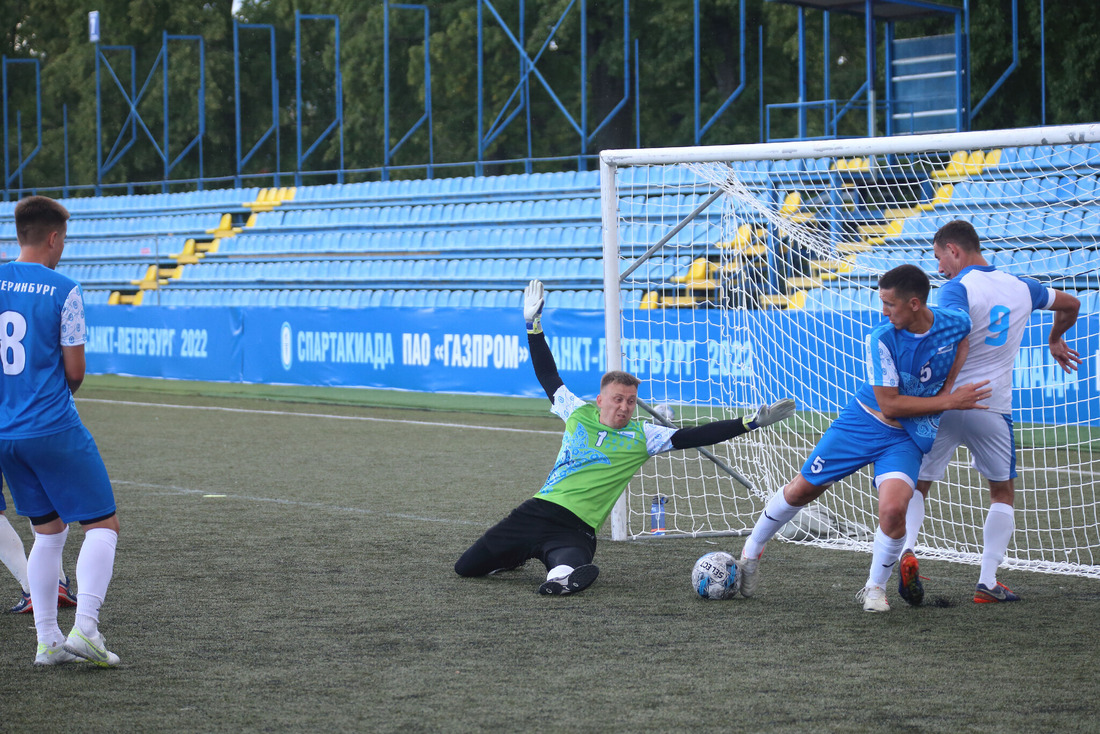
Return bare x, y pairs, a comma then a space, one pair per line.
886, 10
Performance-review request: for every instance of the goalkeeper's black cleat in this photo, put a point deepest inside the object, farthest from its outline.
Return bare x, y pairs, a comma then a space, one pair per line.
910, 587
579, 580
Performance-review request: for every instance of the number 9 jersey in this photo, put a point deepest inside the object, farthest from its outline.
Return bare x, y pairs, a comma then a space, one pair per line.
41, 311
1000, 307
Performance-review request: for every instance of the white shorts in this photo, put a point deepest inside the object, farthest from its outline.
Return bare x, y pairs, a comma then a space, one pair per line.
989, 437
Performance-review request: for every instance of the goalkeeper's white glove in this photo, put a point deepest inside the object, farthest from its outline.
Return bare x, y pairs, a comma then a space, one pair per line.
533, 299
766, 415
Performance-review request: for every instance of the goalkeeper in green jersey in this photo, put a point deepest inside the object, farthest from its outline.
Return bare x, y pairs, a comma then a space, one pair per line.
603, 446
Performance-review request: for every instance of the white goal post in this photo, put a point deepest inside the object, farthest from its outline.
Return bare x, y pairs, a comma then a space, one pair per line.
737, 275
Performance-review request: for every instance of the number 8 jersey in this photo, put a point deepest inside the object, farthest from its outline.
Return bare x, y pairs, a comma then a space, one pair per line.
41, 311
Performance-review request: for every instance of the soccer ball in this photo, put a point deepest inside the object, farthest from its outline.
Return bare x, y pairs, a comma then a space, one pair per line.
716, 576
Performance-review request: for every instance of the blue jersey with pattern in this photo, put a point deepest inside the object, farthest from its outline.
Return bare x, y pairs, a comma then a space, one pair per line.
41, 310
916, 364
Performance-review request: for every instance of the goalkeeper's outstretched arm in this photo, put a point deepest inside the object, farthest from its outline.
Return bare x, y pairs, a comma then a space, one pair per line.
546, 370
718, 431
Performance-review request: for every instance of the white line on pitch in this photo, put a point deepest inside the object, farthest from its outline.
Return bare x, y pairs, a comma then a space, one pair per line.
1035, 469
295, 503
320, 415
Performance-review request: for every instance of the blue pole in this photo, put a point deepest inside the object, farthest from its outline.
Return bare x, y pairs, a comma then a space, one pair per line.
637, 99
803, 92
478, 169
98, 127
237, 97
164, 94
760, 71
386, 90
65, 135
695, 68
524, 74
4, 87
19, 148
829, 122
869, 45
1042, 60
584, 85
298, 92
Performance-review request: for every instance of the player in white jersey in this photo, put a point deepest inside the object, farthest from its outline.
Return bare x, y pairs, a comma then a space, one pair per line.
1000, 306
53, 468
912, 360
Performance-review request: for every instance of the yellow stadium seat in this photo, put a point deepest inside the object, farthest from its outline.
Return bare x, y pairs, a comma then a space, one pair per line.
698, 276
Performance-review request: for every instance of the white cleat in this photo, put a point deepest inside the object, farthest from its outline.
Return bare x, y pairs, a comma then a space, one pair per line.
749, 577
93, 648
873, 599
55, 654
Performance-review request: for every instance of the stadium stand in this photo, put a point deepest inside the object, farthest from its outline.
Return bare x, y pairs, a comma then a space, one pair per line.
475, 241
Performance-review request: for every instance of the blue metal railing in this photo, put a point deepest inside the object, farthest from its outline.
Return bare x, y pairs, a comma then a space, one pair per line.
117, 78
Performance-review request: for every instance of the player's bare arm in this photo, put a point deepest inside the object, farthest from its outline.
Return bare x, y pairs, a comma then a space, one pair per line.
967, 397
1065, 308
73, 359
960, 358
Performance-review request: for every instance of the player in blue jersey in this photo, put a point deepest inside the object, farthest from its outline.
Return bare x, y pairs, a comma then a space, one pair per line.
1000, 306
912, 359
603, 446
52, 465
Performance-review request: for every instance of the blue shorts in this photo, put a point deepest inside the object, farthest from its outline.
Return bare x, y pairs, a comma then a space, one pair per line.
856, 439
60, 473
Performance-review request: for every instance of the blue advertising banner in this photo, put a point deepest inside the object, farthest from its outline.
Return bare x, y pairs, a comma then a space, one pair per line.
183, 344
682, 356
431, 350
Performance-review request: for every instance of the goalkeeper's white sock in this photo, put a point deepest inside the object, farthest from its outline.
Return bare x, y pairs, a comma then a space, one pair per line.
12, 554
914, 518
884, 557
1000, 524
94, 567
776, 514
558, 572
42, 565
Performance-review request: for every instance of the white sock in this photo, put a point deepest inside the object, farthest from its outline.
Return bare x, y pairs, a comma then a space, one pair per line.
94, 567
42, 565
12, 554
1000, 523
884, 557
914, 518
776, 514
559, 572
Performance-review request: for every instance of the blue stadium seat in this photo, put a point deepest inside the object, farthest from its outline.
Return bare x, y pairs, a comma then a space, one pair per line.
1090, 302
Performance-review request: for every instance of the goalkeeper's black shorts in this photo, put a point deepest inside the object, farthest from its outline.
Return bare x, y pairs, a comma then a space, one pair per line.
532, 530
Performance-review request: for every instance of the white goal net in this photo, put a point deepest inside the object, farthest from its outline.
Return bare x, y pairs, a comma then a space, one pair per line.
738, 275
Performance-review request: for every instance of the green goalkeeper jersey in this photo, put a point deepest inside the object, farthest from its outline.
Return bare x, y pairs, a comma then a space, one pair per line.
596, 462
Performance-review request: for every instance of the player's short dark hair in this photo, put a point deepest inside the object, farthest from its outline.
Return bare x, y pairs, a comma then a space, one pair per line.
619, 378
907, 281
960, 233
36, 217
